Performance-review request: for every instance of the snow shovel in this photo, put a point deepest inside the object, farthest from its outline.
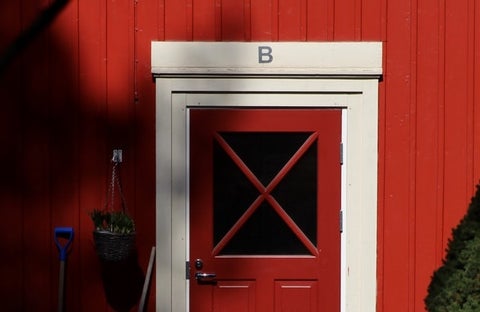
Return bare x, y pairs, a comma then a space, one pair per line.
66, 234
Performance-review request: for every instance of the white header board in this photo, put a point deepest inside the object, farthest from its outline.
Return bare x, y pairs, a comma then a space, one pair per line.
267, 58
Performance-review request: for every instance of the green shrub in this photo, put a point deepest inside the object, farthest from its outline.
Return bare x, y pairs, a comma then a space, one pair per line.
455, 286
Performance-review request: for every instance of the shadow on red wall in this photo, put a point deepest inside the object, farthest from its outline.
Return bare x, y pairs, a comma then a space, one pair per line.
56, 138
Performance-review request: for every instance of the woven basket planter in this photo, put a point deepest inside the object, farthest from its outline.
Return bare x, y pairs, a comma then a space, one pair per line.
113, 246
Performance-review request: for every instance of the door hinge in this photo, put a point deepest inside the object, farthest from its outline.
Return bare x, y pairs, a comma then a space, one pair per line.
187, 270
341, 221
341, 153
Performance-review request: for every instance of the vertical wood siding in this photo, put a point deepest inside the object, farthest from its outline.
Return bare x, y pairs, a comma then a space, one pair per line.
82, 86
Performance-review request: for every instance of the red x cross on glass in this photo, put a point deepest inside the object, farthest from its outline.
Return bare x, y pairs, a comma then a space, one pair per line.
265, 194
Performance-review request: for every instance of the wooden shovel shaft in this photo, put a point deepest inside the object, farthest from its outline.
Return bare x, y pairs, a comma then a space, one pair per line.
61, 286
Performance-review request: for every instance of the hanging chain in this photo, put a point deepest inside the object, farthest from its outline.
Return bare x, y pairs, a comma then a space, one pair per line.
111, 188
119, 185
115, 181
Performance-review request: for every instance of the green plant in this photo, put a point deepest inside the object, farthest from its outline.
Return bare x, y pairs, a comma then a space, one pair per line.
112, 221
455, 286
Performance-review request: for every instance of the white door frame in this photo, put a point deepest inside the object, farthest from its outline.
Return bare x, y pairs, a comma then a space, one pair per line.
186, 80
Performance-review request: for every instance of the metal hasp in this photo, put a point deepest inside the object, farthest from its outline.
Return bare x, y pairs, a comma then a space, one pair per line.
341, 153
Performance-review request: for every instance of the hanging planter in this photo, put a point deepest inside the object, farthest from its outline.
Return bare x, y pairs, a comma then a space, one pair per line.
114, 234
114, 237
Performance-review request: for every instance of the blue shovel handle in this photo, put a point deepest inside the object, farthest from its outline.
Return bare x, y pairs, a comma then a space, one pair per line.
67, 233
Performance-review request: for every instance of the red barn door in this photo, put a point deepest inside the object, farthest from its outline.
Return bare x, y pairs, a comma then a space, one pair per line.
264, 210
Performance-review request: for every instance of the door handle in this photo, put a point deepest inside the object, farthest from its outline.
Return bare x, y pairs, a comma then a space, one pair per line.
205, 277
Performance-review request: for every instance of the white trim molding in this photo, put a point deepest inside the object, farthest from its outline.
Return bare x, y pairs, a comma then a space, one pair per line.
267, 58
352, 85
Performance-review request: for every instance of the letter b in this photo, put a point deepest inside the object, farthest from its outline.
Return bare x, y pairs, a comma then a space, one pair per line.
265, 54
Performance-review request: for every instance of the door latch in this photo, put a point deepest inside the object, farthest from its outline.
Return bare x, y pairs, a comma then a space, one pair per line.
205, 277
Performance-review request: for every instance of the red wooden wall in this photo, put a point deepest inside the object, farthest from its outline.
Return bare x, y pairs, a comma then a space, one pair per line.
81, 86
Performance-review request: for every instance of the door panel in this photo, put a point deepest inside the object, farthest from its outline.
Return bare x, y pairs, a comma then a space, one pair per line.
264, 209
234, 296
296, 296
